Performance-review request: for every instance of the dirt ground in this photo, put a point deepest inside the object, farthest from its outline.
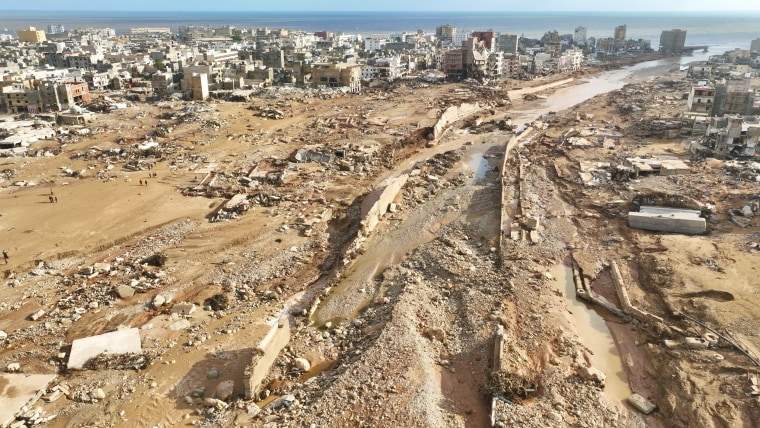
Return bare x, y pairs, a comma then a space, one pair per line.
402, 332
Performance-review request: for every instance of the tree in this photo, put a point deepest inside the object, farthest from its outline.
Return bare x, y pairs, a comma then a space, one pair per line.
159, 64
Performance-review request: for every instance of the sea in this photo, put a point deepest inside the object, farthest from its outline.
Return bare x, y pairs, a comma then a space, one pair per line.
719, 31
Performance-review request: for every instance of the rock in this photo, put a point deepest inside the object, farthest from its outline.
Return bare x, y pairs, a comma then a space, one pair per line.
302, 364
747, 211
37, 315
213, 402
93, 305
253, 409
13, 367
284, 401
212, 374
3, 335
555, 418
179, 325
158, 301
593, 374
641, 404
184, 308
102, 267
225, 389
98, 394
435, 334
125, 291
696, 343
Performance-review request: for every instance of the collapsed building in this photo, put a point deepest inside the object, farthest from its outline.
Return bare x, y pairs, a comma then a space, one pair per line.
729, 136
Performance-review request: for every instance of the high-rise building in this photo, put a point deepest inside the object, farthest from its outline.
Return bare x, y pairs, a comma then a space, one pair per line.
672, 41
32, 35
508, 43
55, 29
580, 35
620, 33
446, 32
755, 46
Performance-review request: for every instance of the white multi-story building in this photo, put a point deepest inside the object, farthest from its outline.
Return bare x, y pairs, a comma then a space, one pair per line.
496, 63
459, 38
372, 44
382, 68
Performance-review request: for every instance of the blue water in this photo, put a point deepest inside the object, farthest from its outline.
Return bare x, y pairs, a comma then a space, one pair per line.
720, 31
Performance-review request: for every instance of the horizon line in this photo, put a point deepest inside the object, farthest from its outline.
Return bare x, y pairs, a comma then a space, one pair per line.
392, 11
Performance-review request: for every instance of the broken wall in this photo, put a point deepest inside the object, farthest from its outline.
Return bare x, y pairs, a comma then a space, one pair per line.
380, 207
264, 357
451, 115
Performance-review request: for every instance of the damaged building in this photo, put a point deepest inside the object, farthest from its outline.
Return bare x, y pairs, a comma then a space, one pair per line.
730, 136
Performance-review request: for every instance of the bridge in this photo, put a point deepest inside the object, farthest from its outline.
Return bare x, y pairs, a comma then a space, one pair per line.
695, 48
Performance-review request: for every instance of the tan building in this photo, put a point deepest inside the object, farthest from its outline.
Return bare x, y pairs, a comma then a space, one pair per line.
453, 64
45, 96
337, 75
32, 35
701, 100
199, 86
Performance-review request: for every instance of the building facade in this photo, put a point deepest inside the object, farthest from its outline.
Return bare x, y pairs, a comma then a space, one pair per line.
32, 35
672, 41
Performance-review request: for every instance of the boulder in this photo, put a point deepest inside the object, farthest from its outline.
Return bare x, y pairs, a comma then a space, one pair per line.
158, 301
225, 390
593, 374
302, 364
125, 291
98, 394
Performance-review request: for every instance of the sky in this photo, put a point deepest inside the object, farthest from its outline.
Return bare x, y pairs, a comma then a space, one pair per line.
385, 5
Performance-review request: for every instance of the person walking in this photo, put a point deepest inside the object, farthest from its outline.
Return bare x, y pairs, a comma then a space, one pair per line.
5, 256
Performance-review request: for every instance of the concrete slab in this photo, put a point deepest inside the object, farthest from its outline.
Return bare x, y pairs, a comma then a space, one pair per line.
18, 392
668, 220
642, 404
126, 341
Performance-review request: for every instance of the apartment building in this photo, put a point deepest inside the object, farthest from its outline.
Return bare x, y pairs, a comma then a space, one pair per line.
672, 41
32, 35
701, 100
337, 75
44, 96
508, 43
580, 36
446, 33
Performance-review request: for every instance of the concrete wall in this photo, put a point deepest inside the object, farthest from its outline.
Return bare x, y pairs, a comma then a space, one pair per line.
265, 355
517, 93
625, 301
451, 115
676, 221
379, 208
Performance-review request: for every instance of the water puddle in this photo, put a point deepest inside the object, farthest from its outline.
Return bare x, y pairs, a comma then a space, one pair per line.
595, 335
317, 370
478, 164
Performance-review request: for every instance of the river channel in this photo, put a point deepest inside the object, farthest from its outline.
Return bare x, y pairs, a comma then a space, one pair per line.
421, 227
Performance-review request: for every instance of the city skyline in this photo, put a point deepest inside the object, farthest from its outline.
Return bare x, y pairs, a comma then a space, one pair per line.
391, 5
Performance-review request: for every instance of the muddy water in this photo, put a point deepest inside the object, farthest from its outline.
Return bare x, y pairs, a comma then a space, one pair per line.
591, 327
595, 335
570, 96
